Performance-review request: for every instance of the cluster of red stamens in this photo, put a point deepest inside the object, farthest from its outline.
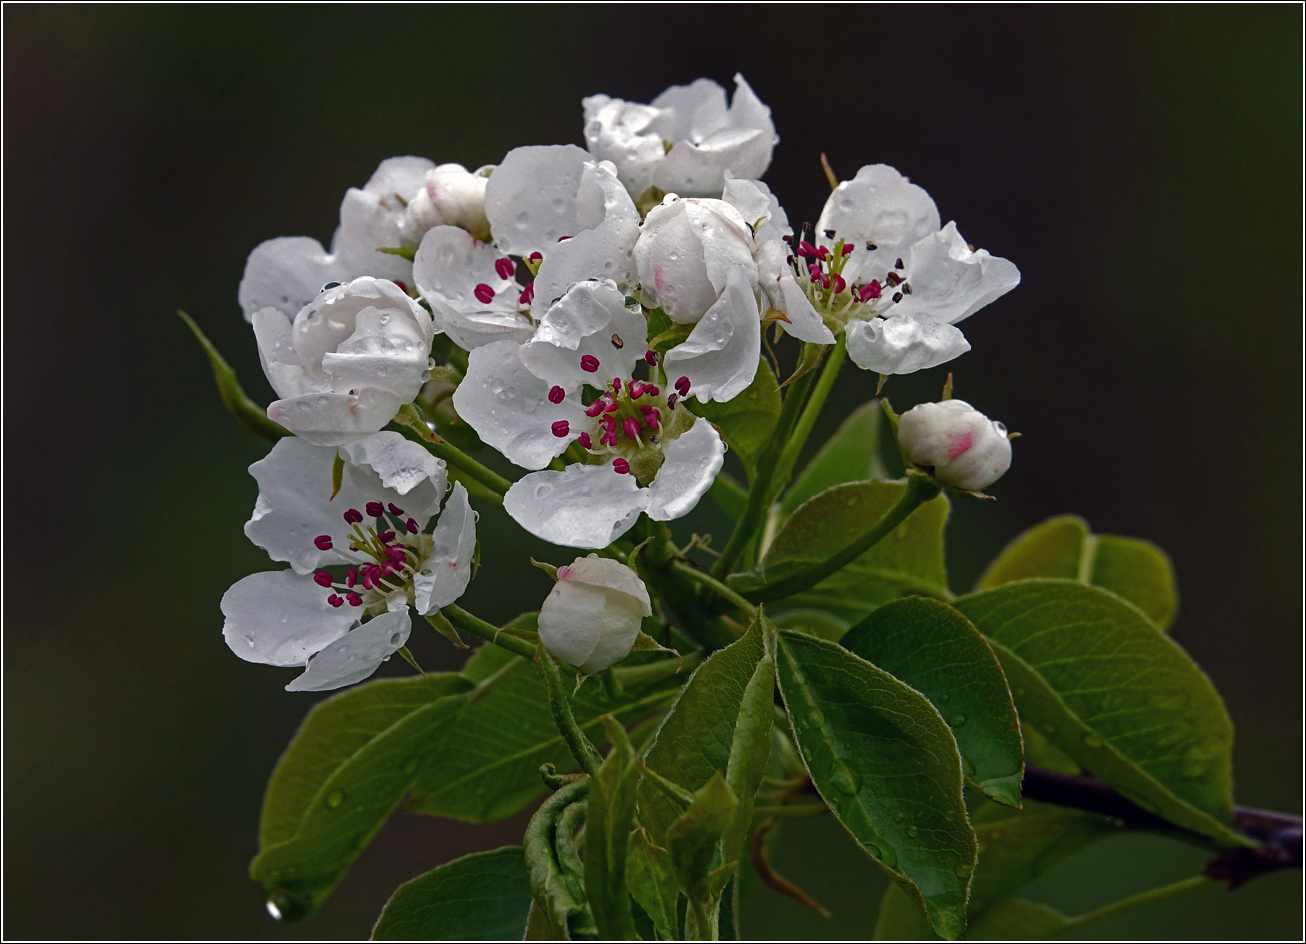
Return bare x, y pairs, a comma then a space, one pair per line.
824, 268
505, 268
390, 555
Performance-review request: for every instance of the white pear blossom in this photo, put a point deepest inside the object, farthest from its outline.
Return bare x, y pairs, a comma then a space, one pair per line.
591, 618
555, 207
373, 531
688, 248
642, 450
882, 270
404, 198
352, 357
684, 141
958, 445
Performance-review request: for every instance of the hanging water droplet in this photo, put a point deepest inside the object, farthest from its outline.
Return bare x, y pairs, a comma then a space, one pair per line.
846, 780
273, 909
335, 798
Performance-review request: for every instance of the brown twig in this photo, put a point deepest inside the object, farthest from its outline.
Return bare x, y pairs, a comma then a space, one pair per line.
773, 881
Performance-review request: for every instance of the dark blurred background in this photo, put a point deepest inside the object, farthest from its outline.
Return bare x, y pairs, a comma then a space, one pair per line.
1142, 166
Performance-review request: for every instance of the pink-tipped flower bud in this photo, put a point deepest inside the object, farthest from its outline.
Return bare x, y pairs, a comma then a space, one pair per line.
592, 616
960, 446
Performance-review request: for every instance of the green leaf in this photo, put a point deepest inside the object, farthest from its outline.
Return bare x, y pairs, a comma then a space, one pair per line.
252, 416
1132, 568
653, 884
750, 749
746, 421
487, 768
909, 560
813, 622
887, 765
607, 838
694, 837
552, 864
334, 732
1126, 703
481, 897
1019, 920
1015, 849
852, 454
350, 807
1140, 572
695, 739
934, 649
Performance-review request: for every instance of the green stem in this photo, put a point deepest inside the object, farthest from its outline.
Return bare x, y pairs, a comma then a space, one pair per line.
463, 620
803, 428
707, 580
653, 564
252, 416
585, 753
1134, 901
407, 423
919, 490
760, 488
634, 676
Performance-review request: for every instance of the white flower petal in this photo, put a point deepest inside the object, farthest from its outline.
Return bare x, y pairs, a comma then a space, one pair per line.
280, 618
720, 356
804, 323
356, 655
384, 352
581, 506
286, 274
624, 133
509, 406
330, 320
607, 574
333, 419
294, 503
399, 176
878, 206
444, 574
621, 621
531, 201
571, 621
950, 281
686, 250
903, 344
449, 266
759, 208
692, 461
283, 367
591, 319
604, 251
404, 466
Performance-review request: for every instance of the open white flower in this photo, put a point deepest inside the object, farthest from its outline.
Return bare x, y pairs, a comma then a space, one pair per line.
353, 356
555, 207
883, 271
404, 197
684, 141
373, 531
643, 450
958, 445
591, 618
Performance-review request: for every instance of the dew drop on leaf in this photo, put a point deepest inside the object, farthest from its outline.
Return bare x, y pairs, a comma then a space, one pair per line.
335, 798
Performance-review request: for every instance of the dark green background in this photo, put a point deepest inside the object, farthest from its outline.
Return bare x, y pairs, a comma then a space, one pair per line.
1140, 165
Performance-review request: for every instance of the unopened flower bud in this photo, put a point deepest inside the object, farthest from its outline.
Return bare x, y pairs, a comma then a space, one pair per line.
964, 448
450, 196
592, 616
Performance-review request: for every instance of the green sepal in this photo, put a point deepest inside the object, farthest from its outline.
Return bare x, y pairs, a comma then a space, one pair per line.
441, 624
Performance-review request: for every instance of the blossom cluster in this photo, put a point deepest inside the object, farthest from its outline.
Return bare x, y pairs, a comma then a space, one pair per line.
599, 295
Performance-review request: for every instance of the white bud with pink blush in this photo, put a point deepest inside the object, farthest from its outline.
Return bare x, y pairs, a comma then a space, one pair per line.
964, 448
450, 195
592, 616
